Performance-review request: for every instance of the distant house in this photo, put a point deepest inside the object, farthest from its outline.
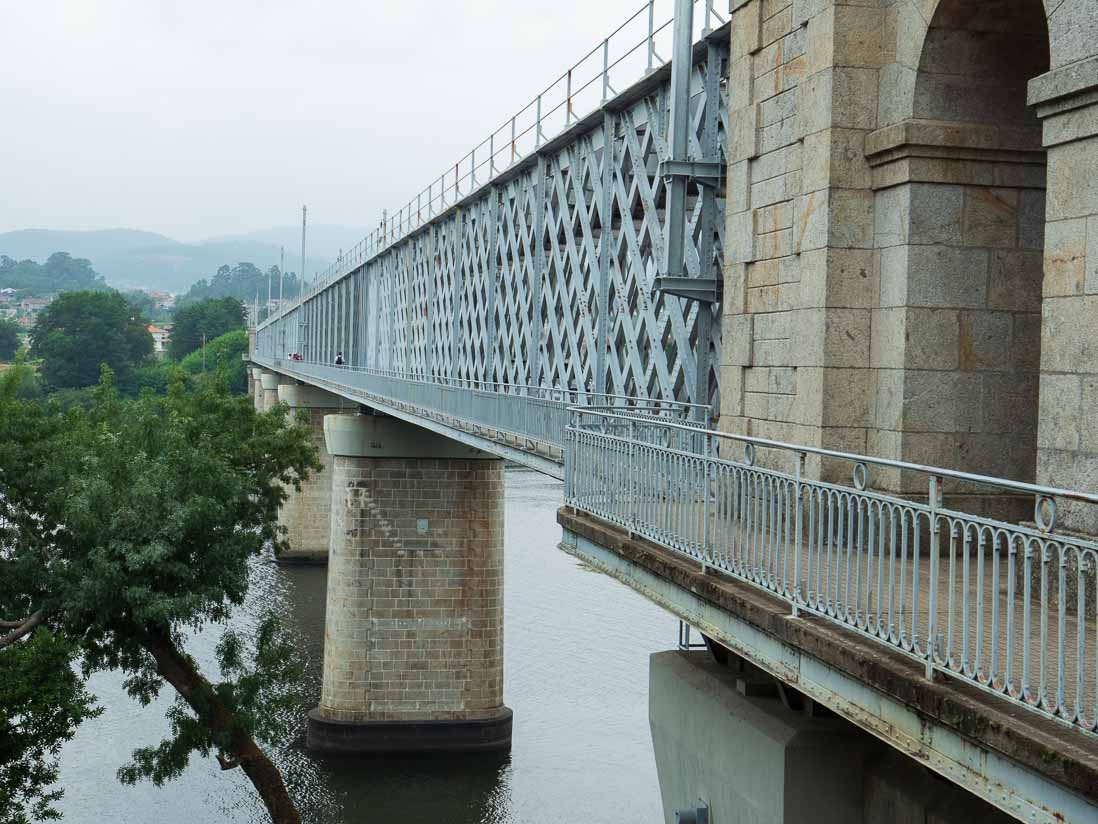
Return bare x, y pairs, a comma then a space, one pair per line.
25, 321
161, 338
32, 306
7, 295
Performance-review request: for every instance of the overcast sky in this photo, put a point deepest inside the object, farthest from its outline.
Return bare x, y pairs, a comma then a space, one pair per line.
212, 117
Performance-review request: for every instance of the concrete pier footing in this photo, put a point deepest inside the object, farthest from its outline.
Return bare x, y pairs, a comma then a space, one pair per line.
413, 653
725, 740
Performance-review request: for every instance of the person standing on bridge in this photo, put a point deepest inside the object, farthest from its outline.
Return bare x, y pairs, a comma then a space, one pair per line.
339, 358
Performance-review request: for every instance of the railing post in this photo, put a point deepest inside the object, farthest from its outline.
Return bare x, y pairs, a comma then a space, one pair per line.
798, 526
632, 468
568, 101
537, 125
707, 533
935, 534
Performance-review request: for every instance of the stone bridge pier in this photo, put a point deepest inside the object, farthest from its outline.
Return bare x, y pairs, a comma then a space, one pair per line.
306, 514
413, 646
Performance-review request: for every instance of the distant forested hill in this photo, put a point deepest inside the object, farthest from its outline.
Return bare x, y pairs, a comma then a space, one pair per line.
132, 259
60, 273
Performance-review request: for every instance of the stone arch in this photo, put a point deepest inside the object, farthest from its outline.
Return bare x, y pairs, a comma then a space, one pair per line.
960, 230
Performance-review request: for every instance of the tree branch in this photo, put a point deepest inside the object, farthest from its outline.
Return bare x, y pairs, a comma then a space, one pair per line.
179, 670
20, 629
227, 763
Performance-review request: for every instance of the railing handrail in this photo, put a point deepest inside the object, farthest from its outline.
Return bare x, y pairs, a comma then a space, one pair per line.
941, 472
632, 400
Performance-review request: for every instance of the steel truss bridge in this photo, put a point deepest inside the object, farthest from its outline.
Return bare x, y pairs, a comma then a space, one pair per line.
546, 275
564, 311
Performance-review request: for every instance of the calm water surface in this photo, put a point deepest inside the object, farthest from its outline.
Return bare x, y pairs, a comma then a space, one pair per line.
576, 676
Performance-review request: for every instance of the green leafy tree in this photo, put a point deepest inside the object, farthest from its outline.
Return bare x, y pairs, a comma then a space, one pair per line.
60, 273
9, 340
80, 331
132, 524
244, 281
146, 306
42, 701
212, 318
223, 359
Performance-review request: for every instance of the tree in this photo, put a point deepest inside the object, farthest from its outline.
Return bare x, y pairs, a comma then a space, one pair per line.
60, 273
42, 701
133, 523
244, 281
222, 358
9, 340
213, 317
80, 331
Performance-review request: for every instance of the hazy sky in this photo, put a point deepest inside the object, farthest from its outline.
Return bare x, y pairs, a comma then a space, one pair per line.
212, 117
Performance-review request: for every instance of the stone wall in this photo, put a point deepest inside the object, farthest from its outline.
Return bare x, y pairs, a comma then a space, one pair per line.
886, 221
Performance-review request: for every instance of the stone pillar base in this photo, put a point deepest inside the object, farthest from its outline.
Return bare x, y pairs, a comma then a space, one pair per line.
302, 557
412, 737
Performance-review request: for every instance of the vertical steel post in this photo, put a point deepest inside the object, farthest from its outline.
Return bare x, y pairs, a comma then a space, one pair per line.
301, 285
534, 350
282, 281
493, 278
651, 34
605, 69
537, 125
935, 534
606, 240
568, 101
798, 526
457, 239
707, 234
678, 139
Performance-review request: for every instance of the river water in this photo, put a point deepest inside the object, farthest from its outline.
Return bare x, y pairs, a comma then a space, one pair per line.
576, 676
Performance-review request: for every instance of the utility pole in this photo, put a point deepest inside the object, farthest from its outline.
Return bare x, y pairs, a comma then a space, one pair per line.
281, 278
270, 275
304, 213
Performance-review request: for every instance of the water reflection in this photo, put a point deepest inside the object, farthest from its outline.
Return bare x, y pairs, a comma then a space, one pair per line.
576, 676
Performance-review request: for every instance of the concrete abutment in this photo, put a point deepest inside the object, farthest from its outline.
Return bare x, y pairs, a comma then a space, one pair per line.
413, 654
723, 738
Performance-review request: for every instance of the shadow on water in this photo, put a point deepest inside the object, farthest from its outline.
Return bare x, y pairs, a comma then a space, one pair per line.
576, 676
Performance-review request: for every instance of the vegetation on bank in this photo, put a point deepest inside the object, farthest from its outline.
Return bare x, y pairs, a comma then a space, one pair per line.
126, 525
60, 273
10, 340
202, 322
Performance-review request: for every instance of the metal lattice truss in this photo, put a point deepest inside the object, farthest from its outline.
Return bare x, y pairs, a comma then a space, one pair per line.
545, 276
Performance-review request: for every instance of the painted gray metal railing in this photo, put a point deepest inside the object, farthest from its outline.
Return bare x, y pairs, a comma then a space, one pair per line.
534, 413
1010, 608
